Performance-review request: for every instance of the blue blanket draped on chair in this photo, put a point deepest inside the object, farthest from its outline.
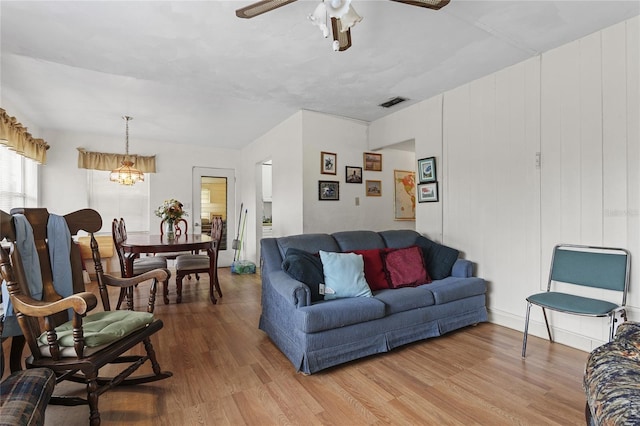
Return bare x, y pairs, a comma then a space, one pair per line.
59, 242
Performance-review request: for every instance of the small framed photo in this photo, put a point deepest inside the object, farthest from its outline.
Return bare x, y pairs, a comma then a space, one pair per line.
374, 188
372, 162
328, 190
427, 170
353, 174
428, 192
328, 163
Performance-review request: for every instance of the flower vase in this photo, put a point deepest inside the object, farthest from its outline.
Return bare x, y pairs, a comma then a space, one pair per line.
171, 233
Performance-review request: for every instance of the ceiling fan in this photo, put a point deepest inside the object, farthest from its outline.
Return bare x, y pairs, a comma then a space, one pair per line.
342, 15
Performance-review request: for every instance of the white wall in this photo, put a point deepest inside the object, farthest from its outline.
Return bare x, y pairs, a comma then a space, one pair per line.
421, 123
578, 106
283, 145
64, 185
348, 140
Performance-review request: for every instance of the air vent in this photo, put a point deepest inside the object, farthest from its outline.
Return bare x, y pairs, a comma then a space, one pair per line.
393, 101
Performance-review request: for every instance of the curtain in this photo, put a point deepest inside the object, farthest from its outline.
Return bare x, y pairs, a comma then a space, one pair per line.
15, 136
108, 162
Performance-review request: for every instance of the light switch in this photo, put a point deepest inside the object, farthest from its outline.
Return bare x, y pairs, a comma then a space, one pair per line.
357, 201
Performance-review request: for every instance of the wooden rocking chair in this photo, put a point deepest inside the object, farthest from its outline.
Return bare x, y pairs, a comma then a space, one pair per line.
75, 350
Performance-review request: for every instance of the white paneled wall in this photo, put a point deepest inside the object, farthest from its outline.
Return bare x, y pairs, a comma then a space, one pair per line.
590, 183
578, 107
491, 188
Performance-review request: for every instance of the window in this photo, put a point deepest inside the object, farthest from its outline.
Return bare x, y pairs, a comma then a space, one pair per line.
115, 201
18, 180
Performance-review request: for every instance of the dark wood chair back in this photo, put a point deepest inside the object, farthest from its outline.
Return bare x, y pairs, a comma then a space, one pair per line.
83, 220
180, 227
217, 227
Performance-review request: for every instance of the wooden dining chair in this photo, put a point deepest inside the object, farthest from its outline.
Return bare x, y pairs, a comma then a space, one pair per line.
141, 265
181, 227
201, 263
41, 264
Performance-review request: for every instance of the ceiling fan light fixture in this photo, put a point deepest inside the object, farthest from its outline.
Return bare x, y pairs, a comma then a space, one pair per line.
126, 174
337, 8
349, 19
319, 18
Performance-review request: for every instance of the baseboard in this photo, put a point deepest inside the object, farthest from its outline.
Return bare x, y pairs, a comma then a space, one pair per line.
538, 329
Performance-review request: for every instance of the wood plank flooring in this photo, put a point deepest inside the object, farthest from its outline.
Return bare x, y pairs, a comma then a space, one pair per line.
227, 372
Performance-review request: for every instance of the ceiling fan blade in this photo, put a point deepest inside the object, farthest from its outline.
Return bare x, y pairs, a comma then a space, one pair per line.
343, 38
261, 7
429, 4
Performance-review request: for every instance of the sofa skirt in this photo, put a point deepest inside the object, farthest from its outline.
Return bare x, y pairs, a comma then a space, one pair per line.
312, 352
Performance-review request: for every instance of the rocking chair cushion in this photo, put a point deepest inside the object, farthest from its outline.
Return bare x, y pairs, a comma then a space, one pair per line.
99, 329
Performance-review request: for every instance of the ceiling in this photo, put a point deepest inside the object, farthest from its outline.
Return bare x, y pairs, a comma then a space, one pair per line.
192, 72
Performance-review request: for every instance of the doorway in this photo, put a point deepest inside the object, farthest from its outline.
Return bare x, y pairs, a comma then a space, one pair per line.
264, 220
213, 193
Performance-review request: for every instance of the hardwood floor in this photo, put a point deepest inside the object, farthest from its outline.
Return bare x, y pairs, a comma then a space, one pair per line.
227, 372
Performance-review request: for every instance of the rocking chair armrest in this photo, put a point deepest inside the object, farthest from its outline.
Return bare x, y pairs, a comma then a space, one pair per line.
81, 303
160, 274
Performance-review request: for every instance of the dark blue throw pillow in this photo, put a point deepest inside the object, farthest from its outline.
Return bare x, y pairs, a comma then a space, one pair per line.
307, 268
438, 259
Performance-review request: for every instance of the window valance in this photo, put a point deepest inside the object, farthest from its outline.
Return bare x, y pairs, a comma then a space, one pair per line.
15, 136
108, 162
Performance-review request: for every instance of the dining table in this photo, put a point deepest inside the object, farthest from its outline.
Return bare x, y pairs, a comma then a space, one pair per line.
137, 244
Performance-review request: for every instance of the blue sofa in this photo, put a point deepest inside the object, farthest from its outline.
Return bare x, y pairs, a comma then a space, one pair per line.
321, 334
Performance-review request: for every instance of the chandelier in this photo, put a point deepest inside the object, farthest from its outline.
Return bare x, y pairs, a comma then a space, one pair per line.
126, 174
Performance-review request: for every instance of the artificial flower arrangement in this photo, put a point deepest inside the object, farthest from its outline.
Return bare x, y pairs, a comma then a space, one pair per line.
171, 210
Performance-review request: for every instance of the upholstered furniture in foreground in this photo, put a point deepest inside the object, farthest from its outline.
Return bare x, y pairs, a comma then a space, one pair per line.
24, 396
612, 379
315, 333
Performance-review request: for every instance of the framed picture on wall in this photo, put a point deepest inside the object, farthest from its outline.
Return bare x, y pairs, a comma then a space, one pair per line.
328, 190
328, 163
427, 170
353, 174
372, 162
404, 195
374, 188
428, 192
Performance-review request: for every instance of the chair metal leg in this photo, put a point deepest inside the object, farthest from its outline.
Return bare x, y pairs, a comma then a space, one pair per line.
526, 330
546, 321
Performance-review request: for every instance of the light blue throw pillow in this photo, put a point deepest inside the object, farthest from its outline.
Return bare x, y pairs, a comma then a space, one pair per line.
344, 275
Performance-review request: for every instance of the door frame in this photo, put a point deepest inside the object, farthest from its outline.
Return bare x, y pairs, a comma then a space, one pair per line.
226, 256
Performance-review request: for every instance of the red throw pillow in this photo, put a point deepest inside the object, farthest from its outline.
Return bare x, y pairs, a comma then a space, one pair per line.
373, 268
405, 267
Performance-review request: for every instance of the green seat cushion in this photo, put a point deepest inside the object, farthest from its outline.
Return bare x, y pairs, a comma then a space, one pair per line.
572, 303
101, 328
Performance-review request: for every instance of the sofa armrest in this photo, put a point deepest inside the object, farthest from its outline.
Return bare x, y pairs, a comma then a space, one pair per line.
293, 291
462, 269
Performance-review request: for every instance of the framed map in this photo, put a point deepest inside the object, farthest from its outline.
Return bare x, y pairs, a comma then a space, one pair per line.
405, 194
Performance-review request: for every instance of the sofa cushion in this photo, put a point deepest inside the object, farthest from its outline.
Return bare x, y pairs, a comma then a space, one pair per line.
452, 288
405, 299
311, 243
405, 267
374, 268
306, 268
438, 258
337, 313
399, 238
344, 275
358, 240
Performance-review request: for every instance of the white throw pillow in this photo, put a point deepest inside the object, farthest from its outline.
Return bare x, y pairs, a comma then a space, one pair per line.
344, 275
